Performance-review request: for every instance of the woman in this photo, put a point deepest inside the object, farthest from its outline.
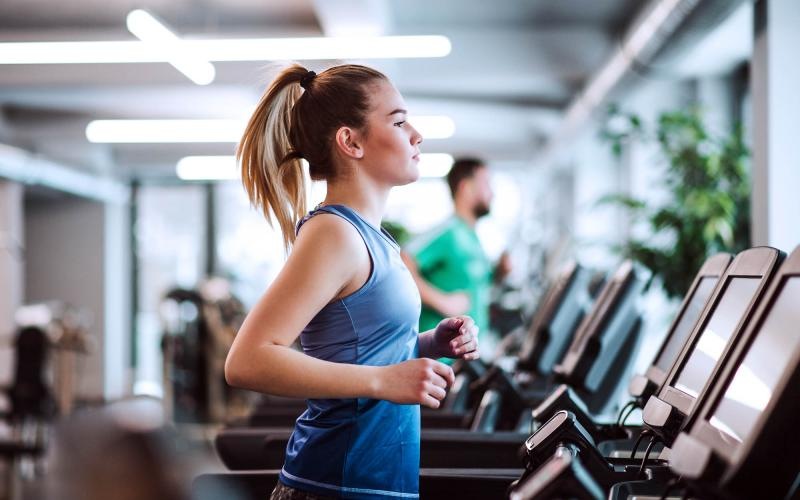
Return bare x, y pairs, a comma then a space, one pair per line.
344, 288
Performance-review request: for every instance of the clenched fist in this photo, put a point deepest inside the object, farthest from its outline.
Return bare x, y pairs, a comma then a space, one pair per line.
417, 381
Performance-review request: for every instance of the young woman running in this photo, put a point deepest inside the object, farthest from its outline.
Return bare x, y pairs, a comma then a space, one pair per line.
344, 289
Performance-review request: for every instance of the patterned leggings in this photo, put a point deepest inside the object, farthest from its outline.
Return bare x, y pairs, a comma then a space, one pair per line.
283, 492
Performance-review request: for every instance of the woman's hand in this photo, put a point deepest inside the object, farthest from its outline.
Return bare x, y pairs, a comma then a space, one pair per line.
417, 381
455, 337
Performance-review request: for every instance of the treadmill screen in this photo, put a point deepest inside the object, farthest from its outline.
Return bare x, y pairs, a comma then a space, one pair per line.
686, 323
718, 330
755, 379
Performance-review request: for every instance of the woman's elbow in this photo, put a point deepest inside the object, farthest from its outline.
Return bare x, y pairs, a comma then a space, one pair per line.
233, 372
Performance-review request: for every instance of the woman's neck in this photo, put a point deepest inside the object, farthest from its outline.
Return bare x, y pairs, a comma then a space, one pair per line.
365, 198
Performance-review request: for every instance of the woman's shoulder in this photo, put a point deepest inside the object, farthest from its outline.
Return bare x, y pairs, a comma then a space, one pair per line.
327, 231
330, 249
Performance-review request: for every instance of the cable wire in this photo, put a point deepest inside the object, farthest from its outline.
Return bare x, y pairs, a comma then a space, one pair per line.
646, 455
669, 487
644, 433
622, 410
630, 412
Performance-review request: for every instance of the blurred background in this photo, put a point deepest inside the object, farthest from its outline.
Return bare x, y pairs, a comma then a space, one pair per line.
612, 129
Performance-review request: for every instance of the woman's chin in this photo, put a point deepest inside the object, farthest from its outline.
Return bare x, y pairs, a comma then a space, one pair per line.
414, 177
411, 176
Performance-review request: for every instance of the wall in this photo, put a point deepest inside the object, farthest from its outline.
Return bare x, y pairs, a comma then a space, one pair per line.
11, 269
64, 261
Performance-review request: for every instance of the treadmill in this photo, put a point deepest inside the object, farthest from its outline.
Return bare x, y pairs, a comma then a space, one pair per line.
723, 320
718, 332
594, 364
736, 444
641, 387
742, 441
264, 448
555, 321
551, 330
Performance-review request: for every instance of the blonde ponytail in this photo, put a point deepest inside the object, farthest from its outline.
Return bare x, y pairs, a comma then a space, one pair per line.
290, 124
272, 172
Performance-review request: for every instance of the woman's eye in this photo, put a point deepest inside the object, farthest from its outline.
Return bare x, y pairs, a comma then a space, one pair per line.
399, 124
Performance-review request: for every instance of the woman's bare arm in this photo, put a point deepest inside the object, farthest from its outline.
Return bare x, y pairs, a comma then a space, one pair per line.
329, 259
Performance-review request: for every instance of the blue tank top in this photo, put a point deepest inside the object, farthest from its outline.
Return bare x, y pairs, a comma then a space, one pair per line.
361, 448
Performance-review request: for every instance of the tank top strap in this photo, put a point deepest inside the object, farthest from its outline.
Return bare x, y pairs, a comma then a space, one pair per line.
370, 233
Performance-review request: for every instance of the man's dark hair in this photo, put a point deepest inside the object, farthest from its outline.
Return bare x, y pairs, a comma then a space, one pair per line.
462, 169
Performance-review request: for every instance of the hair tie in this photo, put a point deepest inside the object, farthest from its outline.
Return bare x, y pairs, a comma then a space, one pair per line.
306, 80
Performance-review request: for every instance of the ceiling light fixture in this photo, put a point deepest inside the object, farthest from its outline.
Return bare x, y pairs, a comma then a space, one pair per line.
175, 131
225, 168
434, 164
433, 126
253, 49
150, 30
164, 131
207, 168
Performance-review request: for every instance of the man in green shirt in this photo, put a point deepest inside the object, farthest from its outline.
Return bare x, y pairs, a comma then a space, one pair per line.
451, 270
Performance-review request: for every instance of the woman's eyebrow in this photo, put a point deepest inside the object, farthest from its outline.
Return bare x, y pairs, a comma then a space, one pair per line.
403, 111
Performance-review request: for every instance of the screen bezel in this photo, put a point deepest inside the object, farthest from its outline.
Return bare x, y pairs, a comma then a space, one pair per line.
610, 296
713, 269
729, 447
758, 263
553, 300
735, 330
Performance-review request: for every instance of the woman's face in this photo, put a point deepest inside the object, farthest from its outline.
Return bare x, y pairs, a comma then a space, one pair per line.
390, 143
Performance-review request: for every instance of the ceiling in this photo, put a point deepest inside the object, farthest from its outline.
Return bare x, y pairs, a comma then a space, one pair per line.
515, 66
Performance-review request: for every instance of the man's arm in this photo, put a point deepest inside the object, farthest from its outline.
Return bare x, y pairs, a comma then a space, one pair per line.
447, 304
502, 268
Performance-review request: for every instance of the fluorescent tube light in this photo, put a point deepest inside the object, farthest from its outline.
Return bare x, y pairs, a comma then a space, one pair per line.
254, 49
171, 131
374, 47
223, 168
150, 30
433, 126
207, 168
434, 164
164, 131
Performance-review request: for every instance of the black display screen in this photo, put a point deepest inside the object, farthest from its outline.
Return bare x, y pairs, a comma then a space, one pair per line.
715, 336
686, 323
752, 386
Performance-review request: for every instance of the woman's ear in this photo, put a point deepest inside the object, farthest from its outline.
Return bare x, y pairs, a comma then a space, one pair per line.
348, 143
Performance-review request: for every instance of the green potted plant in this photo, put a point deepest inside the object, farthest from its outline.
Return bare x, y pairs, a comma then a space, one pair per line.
708, 206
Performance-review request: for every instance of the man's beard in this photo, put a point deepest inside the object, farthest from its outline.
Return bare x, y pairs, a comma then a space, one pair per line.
480, 210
